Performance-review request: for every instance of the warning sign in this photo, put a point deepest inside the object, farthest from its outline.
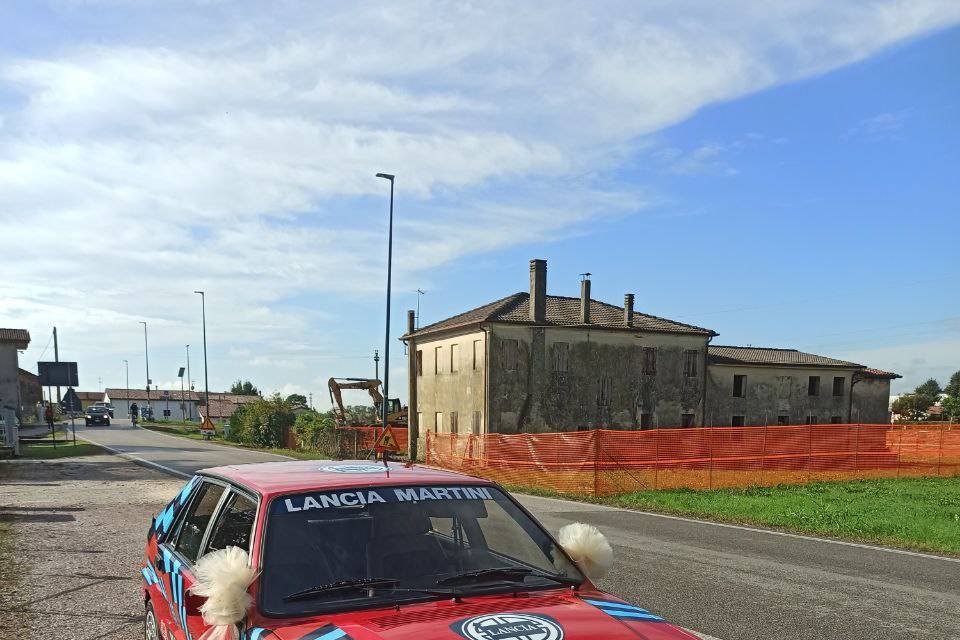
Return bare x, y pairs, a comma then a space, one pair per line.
387, 441
206, 427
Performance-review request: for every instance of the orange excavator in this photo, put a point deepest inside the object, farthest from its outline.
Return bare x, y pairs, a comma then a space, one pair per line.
396, 414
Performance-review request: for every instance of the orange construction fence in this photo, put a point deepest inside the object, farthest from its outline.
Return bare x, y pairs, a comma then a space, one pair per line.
605, 462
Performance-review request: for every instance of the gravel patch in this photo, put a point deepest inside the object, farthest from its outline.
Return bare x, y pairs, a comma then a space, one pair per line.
79, 527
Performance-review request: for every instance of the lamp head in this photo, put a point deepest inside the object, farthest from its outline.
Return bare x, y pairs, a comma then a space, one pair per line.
386, 176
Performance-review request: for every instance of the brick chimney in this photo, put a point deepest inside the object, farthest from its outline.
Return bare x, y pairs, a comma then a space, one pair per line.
585, 300
628, 309
538, 290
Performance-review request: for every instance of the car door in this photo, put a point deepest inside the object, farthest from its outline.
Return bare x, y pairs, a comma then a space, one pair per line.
177, 554
233, 526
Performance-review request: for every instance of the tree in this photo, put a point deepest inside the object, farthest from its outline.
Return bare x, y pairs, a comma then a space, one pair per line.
297, 399
244, 388
263, 423
951, 408
930, 388
315, 431
953, 387
912, 406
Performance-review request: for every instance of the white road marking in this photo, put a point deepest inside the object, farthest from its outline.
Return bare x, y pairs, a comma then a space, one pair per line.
130, 456
785, 534
702, 636
216, 444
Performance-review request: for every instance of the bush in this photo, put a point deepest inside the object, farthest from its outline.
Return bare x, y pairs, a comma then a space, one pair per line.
315, 431
262, 423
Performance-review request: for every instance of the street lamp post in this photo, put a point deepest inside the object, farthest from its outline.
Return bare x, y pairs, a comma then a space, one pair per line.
126, 365
386, 346
146, 354
206, 377
376, 364
189, 380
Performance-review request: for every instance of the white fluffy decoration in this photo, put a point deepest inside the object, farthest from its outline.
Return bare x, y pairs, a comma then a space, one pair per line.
588, 548
223, 578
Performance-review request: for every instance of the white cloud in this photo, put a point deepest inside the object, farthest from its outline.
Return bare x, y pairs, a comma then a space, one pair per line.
883, 126
237, 155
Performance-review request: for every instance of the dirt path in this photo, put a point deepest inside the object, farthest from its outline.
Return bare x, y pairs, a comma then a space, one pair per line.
79, 527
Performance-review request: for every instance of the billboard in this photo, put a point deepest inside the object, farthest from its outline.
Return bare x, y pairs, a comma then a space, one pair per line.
58, 374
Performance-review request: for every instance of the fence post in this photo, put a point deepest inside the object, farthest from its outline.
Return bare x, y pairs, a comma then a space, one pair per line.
940, 453
710, 457
899, 450
809, 452
856, 452
596, 462
656, 458
763, 455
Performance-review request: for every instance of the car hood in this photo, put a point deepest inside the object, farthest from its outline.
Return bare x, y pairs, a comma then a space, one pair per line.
552, 615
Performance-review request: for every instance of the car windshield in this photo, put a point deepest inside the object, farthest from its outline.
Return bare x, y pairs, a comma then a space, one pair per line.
323, 549
96, 409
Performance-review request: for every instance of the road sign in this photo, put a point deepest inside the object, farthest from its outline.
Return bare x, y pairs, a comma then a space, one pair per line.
207, 427
58, 374
70, 401
387, 441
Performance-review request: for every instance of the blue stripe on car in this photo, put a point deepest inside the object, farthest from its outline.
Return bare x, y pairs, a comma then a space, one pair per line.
624, 611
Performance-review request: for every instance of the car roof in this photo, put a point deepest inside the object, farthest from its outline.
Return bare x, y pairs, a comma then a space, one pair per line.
274, 478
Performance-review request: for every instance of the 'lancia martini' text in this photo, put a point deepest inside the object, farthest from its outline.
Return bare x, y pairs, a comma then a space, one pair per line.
401, 494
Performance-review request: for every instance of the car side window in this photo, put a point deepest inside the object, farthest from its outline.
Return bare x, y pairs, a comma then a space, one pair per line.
234, 525
197, 519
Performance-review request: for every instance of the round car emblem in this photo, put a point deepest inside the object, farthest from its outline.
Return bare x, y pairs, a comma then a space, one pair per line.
354, 468
510, 626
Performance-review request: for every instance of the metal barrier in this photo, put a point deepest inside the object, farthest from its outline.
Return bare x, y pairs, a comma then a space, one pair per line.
605, 462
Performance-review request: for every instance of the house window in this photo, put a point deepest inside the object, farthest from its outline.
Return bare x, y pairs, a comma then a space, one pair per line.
453, 422
454, 358
813, 386
477, 354
649, 361
813, 420
783, 420
838, 383
737, 421
606, 390
687, 419
419, 362
437, 360
438, 422
561, 355
646, 420
475, 425
836, 419
510, 350
690, 363
739, 386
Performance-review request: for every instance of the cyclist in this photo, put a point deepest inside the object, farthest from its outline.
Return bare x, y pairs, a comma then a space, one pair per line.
134, 413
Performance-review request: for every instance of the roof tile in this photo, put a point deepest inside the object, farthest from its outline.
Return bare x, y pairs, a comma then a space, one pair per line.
723, 354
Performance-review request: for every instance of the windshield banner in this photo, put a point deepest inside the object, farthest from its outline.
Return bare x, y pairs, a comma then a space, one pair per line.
352, 498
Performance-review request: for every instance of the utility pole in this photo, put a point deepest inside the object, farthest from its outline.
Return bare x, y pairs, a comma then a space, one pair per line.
376, 364
56, 358
206, 377
386, 346
126, 365
189, 380
311, 399
146, 353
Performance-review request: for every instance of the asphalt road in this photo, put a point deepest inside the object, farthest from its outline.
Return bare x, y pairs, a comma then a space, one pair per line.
729, 583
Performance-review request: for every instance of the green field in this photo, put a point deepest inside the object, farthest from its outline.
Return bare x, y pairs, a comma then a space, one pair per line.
45, 449
913, 513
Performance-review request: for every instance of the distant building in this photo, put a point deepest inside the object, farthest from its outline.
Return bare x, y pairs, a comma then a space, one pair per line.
31, 393
757, 386
166, 404
88, 398
11, 341
533, 362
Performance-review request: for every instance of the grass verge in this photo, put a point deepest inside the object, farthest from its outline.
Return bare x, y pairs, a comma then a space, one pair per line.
193, 433
45, 449
922, 514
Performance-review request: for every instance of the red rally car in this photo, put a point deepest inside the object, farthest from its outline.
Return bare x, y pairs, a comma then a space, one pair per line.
363, 550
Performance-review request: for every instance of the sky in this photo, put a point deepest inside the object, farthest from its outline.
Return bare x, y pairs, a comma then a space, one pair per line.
782, 173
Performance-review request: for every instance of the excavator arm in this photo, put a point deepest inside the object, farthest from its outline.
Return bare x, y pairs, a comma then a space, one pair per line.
336, 385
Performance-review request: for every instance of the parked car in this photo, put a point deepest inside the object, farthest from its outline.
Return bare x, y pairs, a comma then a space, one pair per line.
97, 415
107, 405
366, 550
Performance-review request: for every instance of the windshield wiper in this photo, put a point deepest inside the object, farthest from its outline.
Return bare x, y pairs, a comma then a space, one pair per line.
362, 584
504, 574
